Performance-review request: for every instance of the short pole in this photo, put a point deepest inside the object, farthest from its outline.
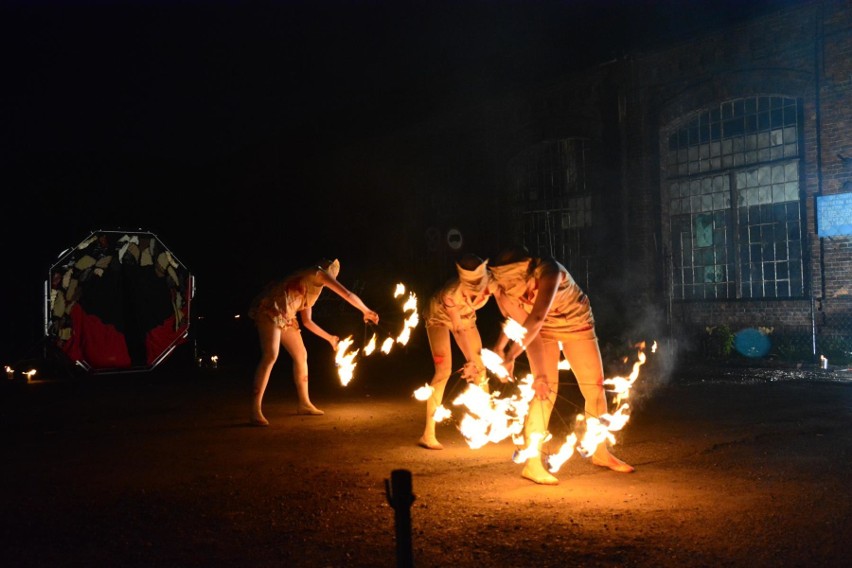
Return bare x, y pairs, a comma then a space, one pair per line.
400, 497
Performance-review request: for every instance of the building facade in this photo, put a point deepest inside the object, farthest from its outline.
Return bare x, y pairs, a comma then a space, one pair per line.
702, 184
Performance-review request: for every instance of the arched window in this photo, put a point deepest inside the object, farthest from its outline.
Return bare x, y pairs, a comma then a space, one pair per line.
735, 214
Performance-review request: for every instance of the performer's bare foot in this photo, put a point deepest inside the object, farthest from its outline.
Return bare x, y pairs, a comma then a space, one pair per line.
535, 472
309, 409
430, 443
258, 419
606, 459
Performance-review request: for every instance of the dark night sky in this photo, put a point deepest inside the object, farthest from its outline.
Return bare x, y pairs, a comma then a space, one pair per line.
110, 109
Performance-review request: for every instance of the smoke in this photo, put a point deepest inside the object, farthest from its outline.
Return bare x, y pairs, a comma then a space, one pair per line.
647, 324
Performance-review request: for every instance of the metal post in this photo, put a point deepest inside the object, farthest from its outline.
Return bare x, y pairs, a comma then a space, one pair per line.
400, 497
813, 330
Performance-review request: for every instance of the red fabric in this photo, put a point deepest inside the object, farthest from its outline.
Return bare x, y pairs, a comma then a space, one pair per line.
94, 343
160, 338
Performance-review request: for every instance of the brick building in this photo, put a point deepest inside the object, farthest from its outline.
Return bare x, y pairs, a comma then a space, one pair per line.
680, 184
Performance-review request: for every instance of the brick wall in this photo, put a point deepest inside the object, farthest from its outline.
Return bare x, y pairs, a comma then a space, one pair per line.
803, 51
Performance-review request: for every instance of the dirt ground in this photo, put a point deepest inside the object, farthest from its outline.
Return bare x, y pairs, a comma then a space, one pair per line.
733, 468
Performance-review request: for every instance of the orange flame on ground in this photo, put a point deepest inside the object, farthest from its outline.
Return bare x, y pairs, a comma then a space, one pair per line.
491, 417
345, 360
596, 431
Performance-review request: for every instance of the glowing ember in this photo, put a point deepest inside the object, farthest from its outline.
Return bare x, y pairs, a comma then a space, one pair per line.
514, 331
399, 290
345, 360
386, 345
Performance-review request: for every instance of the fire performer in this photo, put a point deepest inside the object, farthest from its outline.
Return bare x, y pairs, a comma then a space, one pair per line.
452, 309
541, 294
274, 312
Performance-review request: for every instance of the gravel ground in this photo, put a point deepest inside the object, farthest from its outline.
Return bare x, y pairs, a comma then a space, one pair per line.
734, 467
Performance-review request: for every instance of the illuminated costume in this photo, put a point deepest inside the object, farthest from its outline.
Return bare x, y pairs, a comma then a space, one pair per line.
281, 301
274, 312
540, 294
452, 309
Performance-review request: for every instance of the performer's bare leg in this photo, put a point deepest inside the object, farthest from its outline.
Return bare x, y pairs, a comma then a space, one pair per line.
584, 356
269, 335
439, 344
291, 339
542, 358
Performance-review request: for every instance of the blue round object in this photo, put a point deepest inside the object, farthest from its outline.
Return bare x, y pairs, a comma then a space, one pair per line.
751, 342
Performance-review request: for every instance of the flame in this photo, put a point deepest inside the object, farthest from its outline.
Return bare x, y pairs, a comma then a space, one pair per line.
493, 417
533, 448
514, 331
412, 320
494, 363
596, 431
371, 346
345, 360
442, 413
555, 461
410, 303
563, 365
620, 385
424, 393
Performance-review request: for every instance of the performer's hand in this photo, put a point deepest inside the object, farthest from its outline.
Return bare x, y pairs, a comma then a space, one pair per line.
541, 388
472, 373
334, 340
371, 316
509, 365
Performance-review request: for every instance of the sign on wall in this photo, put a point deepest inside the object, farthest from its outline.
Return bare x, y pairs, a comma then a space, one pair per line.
834, 215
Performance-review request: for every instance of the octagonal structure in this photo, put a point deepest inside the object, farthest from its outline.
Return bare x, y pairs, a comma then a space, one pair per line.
118, 301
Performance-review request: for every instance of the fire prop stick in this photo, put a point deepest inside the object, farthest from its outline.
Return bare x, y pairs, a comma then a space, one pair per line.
345, 357
598, 430
494, 417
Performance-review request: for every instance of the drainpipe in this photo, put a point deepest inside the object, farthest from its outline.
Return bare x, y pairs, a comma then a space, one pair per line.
818, 143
